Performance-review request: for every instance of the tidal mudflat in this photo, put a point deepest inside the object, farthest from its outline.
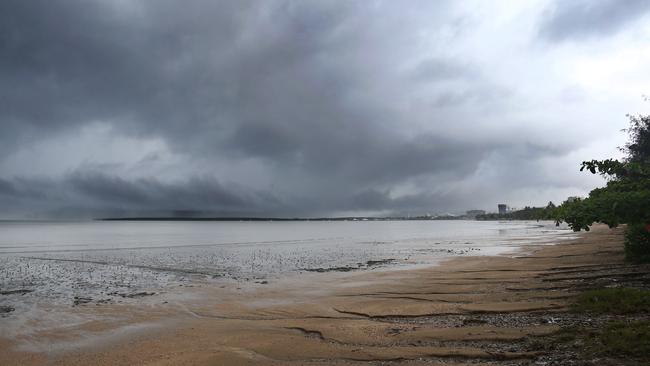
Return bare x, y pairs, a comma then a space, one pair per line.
69, 262
65, 275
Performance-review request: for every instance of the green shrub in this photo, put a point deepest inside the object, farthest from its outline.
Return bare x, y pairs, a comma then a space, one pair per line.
623, 340
637, 244
613, 301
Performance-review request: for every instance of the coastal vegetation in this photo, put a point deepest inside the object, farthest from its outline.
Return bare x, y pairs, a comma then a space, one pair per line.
617, 329
625, 199
626, 342
618, 301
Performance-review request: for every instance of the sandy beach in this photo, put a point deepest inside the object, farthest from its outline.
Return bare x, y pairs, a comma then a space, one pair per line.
469, 310
331, 182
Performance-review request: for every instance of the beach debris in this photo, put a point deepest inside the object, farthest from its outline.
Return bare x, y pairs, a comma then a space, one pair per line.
6, 309
551, 320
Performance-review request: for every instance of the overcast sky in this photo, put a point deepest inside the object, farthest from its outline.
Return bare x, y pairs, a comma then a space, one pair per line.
311, 108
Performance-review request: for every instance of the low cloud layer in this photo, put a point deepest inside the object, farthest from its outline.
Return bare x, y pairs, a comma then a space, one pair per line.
288, 108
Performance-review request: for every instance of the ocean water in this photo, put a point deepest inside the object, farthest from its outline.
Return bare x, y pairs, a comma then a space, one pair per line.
63, 261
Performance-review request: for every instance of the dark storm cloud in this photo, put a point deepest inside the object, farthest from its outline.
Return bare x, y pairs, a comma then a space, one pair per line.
90, 193
205, 75
66, 63
67, 199
587, 18
7, 188
20, 189
405, 205
259, 80
317, 92
96, 193
200, 193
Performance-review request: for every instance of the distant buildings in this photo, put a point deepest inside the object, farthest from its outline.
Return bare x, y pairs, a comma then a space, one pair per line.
503, 208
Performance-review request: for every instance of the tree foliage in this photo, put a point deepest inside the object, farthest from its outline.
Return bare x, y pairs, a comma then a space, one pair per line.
625, 199
637, 243
638, 148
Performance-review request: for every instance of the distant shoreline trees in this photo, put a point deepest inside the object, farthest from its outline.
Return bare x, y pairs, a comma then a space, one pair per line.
528, 213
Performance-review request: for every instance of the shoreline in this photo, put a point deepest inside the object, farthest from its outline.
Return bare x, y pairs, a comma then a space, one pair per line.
463, 309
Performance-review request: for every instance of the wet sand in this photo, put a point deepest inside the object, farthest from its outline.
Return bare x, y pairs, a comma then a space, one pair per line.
469, 310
